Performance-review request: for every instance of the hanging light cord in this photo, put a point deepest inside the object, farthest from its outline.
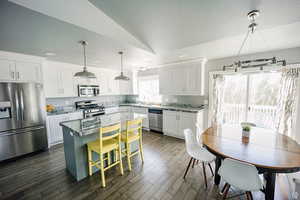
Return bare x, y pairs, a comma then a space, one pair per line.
84, 56
243, 44
121, 53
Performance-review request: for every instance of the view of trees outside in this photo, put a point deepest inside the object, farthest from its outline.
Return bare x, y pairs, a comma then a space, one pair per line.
234, 99
264, 88
148, 87
262, 98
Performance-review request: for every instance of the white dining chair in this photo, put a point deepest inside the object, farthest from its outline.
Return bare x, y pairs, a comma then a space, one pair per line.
294, 185
197, 153
240, 175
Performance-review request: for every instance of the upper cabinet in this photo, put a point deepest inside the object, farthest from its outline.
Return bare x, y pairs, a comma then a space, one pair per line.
181, 79
110, 86
7, 69
126, 87
17, 71
27, 72
59, 80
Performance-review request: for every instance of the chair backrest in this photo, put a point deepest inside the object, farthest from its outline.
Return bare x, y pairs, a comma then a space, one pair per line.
199, 132
190, 140
134, 126
110, 132
231, 169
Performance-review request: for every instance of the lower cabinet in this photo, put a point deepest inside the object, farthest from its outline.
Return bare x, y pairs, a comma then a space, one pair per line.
142, 111
54, 130
174, 122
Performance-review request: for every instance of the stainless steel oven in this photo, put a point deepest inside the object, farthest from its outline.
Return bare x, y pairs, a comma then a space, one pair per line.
88, 90
90, 108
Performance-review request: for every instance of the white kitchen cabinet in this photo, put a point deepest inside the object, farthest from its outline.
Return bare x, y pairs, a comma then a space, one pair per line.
7, 69
17, 71
187, 121
113, 85
166, 86
126, 87
54, 130
174, 122
142, 111
28, 72
107, 82
59, 80
103, 79
181, 79
170, 123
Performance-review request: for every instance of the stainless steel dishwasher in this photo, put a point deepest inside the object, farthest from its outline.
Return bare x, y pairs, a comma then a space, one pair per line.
155, 119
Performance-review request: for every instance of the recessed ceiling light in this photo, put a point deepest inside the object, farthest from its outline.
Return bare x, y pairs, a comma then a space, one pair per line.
182, 56
50, 54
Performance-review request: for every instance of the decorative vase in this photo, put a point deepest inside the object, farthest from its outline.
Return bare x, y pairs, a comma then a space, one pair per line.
246, 134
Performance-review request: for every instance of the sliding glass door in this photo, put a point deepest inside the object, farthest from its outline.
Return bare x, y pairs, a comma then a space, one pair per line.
252, 98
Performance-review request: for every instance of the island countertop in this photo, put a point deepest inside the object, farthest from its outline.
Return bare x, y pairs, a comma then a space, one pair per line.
83, 127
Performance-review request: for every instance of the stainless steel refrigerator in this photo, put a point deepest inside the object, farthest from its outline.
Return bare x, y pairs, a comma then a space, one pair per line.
22, 119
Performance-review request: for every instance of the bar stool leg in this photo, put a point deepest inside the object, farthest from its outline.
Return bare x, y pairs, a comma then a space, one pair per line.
90, 162
120, 159
141, 150
102, 170
128, 152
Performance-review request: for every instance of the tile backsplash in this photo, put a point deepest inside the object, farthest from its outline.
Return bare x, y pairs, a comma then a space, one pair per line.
113, 100
109, 100
174, 100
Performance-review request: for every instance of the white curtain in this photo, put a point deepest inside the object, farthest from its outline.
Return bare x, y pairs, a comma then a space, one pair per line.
217, 98
286, 107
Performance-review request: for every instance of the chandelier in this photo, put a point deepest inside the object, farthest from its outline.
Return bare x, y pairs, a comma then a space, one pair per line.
242, 64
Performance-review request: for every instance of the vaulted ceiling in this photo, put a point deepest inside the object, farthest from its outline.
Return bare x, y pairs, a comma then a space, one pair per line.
150, 32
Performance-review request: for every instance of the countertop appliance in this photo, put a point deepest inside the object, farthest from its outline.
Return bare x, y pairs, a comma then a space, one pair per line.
156, 119
22, 119
90, 108
88, 90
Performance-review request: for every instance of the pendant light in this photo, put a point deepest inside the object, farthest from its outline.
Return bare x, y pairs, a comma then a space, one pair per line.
122, 77
84, 74
254, 63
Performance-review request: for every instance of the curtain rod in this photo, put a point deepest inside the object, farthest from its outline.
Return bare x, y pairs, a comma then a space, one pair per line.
267, 69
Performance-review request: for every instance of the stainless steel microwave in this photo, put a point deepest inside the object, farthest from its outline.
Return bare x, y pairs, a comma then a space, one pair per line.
88, 90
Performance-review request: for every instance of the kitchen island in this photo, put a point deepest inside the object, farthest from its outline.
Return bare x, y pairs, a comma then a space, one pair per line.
77, 133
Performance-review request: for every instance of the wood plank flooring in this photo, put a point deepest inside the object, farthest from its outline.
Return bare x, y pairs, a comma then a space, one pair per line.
43, 176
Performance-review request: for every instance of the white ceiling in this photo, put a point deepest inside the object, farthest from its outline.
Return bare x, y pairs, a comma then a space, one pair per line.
150, 32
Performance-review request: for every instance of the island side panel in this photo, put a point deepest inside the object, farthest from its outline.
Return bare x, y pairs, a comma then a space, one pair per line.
80, 149
69, 152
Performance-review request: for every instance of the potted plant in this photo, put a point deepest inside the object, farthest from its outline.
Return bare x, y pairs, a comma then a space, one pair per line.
246, 131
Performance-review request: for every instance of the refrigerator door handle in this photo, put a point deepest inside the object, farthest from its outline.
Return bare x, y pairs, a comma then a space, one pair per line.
17, 105
22, 104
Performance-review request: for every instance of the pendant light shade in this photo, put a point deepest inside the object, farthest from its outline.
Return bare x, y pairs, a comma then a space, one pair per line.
122, 77
84, 73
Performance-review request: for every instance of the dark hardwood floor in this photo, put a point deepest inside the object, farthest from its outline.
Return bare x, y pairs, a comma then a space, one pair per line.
43, 176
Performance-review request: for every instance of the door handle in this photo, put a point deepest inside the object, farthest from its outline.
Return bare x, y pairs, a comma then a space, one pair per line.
18, 75
13, 75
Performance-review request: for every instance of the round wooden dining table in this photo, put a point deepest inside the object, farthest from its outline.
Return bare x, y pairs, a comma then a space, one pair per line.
269, 151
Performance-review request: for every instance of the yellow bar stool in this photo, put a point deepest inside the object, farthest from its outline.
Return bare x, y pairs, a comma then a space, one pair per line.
109, 141
133, 133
